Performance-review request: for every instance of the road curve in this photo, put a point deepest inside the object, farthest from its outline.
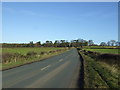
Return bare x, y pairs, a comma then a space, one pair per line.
56, 72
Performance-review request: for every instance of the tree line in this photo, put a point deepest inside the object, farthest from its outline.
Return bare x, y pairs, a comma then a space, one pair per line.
62, 43
110, 43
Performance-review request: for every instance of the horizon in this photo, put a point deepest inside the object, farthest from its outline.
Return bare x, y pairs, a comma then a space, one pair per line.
29, 21
49, 40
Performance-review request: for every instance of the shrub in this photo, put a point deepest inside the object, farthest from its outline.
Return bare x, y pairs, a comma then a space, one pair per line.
108, 58
0, 58
42, 53
58, 50
6, 57
50, 51
31, 53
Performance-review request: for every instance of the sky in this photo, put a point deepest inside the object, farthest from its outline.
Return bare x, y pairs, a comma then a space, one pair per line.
23, 22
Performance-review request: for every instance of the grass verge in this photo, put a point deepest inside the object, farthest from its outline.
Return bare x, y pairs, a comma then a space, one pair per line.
97, 75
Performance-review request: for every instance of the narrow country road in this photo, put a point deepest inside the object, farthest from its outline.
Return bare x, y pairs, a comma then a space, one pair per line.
60, 71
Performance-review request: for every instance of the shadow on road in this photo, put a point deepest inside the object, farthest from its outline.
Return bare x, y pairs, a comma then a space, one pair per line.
80, 82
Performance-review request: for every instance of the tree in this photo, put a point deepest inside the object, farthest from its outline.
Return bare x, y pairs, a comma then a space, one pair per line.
67, 44
109, 43
78, 43
90, 42
103, 44
112, 42
86, 43
56, 43
73, 43
48, 44
31, 44
117, 43
62, 43
38, 44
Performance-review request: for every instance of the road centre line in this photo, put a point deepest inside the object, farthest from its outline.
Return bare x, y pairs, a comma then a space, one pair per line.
50, 65
60, 60
45, 67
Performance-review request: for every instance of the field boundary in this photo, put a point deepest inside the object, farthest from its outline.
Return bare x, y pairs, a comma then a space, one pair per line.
80, 82
81, 77
104, 52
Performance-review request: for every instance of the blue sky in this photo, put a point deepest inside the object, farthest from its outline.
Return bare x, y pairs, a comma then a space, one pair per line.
37, 21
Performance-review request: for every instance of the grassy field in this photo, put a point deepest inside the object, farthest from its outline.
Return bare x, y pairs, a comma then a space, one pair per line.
98, 47
24, 51
112, 51
12, 57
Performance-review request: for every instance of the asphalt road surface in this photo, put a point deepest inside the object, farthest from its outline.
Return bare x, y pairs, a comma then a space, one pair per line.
60, 71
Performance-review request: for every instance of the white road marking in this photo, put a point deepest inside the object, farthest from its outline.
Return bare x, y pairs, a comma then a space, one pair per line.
60, 60
45, 67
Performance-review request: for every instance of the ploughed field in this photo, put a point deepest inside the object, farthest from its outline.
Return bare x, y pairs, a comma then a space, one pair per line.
12, 57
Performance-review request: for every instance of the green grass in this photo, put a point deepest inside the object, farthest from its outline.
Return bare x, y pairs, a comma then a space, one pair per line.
97, 47
13, 57
24, 51
91, 78
112, 51
99, 74
31, 59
